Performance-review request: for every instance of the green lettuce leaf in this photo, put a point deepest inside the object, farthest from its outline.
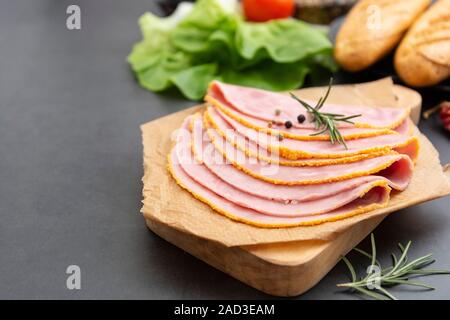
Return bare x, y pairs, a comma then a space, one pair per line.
202, 76
269, 75
205, 41
283, 41
159, 75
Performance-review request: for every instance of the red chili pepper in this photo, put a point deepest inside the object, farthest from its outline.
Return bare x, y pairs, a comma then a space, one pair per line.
444, 113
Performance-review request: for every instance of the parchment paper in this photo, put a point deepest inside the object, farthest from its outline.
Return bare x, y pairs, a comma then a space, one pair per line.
164, 201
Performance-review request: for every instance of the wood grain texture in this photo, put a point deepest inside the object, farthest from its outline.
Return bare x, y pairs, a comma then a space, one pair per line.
410, 98
280, 269
281, 262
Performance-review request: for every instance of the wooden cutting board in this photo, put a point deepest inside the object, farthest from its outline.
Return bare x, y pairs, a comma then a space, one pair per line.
281, 268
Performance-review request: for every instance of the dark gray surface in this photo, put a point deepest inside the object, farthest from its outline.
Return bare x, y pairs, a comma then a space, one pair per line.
70, 169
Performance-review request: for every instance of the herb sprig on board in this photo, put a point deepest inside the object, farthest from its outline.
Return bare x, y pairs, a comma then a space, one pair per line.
401, 271
326, 122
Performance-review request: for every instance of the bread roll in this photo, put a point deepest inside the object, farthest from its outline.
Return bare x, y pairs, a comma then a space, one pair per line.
423, 57
372, 29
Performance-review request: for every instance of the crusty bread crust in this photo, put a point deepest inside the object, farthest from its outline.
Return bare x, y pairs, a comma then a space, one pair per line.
423, 57
372, 29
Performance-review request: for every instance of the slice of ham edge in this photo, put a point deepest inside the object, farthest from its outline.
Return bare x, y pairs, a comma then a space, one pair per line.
297, 149
268, 106
395, 167
212, 117
201, 148
294, 132
233, 203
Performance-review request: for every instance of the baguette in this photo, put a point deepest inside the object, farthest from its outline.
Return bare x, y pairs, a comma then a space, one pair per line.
372, 29
423, 57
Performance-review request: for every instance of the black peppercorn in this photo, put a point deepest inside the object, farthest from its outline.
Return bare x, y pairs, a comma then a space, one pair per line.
288, 124
301, 118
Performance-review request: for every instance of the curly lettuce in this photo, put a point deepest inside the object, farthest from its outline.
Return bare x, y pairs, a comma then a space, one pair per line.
207, 40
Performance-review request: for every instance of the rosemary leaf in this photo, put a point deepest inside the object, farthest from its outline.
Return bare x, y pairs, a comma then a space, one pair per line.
394, 258
350, 267
372, 294
374, 249
411, 283
386, 293
374, 284
326, 122
368, 255
430, 271
322, 100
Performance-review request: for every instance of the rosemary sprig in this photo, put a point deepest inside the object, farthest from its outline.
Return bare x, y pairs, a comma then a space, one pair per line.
326, 121
399, 273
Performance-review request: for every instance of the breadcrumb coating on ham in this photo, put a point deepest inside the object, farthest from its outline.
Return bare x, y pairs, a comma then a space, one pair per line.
265, 105
375, 196
252, 149
295, 149
285, 175
294, 133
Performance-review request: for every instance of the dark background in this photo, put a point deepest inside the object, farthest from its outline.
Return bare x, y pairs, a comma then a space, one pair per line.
71, 167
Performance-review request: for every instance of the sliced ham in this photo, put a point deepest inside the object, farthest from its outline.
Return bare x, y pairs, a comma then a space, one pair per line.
372, 198
216, 152
265, 105
233, 160
252, 149
204, 152
202, 175
389, 164
297, 149
294, 132
405, 127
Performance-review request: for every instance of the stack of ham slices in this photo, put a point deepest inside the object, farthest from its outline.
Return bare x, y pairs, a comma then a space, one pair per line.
255, 157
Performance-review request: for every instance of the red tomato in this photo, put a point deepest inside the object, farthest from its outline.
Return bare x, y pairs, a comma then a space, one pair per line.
264, 10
